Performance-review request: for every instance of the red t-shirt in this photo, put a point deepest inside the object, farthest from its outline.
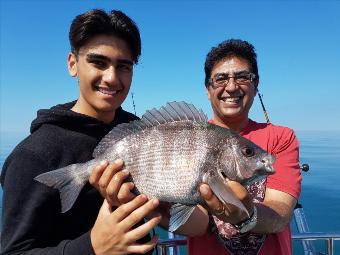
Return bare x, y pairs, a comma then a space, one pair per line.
282, 143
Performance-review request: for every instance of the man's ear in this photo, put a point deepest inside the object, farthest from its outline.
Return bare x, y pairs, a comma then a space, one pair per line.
72, 64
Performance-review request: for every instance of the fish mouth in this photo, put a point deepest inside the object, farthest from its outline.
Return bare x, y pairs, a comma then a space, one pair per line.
264, 168
107, 91
267, 164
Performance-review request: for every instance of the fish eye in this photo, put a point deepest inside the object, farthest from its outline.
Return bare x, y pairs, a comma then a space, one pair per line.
248, 151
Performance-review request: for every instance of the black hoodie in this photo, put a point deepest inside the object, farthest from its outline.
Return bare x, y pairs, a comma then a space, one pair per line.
31, 219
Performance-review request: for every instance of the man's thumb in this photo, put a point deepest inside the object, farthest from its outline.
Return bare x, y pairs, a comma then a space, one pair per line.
105, 209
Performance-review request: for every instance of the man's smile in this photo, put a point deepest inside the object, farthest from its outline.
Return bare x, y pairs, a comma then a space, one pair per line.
233, 99
107, 91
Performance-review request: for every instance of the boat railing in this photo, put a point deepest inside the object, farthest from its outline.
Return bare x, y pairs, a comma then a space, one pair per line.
171, 246
328, 237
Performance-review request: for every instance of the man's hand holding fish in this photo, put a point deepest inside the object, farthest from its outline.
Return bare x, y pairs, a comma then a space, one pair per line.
110, 180
228, 212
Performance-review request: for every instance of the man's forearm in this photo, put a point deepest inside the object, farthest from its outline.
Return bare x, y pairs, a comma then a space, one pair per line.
272, 220
275, 212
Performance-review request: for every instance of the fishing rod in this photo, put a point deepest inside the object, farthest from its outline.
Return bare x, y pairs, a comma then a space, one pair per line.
299, 215
263, 108
133, 103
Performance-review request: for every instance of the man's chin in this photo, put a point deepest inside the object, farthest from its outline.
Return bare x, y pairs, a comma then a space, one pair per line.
231, 113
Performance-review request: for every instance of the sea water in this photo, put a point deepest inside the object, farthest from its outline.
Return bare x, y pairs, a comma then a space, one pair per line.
320, 195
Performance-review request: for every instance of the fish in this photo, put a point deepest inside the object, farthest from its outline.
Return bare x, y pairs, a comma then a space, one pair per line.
169, 152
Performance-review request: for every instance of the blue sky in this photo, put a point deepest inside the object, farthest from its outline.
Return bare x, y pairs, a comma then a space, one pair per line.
297, 42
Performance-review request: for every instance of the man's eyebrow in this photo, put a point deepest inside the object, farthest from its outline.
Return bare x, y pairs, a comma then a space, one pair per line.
125, 61
233, 73
221, 74
92, 56
95, 56
242, 72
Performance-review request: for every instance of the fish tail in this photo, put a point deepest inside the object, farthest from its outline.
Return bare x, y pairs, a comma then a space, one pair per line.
69, 181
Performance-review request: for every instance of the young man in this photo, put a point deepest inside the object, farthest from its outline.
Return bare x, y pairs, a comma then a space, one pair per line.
104, 48
231, 79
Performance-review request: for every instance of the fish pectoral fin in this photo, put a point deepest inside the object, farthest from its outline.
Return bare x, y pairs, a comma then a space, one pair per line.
224, 192
179, 214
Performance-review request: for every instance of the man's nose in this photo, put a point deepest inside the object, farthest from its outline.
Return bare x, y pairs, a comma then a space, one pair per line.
110, 75
231, 86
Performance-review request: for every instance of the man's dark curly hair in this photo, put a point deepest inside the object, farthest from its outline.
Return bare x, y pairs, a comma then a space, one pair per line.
228, 48
97, 22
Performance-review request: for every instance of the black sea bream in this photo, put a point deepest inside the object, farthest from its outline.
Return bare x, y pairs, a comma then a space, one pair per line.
168, 153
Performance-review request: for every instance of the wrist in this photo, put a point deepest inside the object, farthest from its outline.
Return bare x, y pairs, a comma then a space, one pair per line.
248, 224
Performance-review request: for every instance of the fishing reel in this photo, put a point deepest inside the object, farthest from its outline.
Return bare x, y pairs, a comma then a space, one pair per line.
304, 167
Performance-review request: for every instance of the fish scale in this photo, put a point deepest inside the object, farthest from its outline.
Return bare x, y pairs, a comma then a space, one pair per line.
163, 176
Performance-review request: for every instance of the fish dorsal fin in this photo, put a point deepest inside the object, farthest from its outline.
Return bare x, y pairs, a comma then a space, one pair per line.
171, 112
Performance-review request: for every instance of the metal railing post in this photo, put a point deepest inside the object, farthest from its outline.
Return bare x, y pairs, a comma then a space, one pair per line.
329, 237
302, 226
166, 244
174, 250
330, 246
163, 250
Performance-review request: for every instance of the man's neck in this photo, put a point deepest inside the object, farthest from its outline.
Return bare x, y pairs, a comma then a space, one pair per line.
106, 117
235, 125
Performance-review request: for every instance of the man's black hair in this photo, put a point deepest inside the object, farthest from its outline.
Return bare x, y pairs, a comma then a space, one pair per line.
98, 22
228, 48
